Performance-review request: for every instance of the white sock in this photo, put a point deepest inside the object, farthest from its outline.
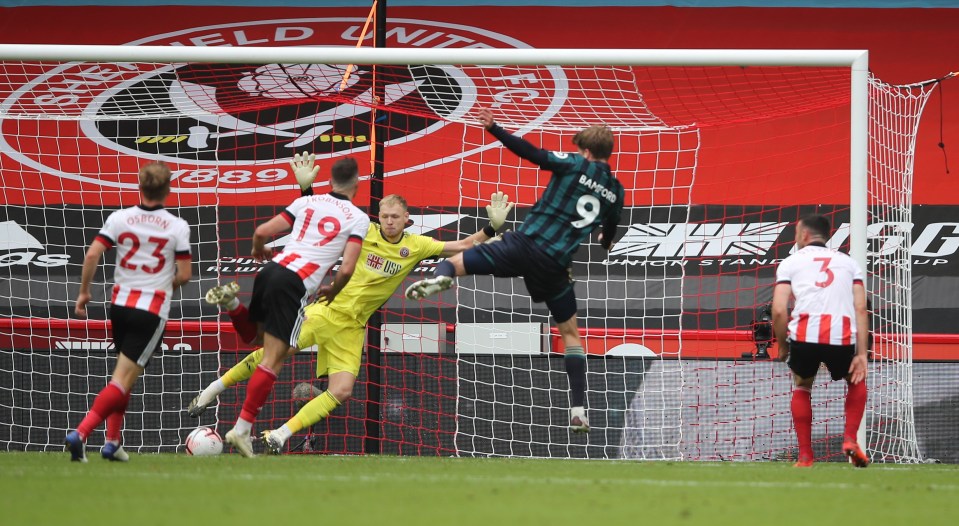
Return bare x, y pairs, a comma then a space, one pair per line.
243, 427
283, 433
234, 303
211, 392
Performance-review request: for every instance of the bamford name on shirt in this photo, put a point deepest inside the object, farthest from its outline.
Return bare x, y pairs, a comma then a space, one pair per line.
597, 187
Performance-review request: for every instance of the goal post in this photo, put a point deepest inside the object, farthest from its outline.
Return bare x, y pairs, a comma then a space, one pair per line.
474, 372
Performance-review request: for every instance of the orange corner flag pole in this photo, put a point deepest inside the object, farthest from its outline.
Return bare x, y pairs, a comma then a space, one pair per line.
359, 43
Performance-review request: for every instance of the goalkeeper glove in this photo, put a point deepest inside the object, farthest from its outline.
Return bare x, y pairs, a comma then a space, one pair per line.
494, 239
497, 209
304, 170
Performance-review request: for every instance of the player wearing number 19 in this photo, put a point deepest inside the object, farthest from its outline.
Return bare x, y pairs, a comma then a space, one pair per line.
153, 258
582, 194
325, 227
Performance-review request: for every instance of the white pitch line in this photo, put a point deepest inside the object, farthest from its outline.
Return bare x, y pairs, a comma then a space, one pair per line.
514, 479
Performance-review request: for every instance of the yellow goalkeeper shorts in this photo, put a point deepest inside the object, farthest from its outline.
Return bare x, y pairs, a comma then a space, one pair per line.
339, 340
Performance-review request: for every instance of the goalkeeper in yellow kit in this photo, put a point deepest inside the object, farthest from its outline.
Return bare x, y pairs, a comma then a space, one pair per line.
338, 328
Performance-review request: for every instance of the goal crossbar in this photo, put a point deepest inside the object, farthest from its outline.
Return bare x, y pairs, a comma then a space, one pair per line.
347, 54
856, 60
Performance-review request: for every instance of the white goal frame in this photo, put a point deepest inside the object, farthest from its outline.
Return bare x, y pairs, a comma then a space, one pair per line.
856, 60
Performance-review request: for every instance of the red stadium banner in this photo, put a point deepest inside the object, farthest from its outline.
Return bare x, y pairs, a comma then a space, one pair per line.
915, 54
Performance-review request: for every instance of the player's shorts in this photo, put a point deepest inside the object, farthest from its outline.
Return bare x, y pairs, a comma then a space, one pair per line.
338, 337
804, 358
137, 334
517, 255
278, 300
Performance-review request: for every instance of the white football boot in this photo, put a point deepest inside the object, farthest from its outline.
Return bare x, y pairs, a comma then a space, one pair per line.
577, 420
428, 287
222, 295
242, 443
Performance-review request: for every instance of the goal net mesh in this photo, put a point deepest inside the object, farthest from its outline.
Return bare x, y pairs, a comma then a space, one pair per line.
717, 162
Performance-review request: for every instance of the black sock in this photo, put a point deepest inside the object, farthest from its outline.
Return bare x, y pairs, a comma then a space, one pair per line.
445, 268
575, 361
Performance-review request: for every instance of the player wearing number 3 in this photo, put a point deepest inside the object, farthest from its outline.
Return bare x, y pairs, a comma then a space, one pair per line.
153, 258
828, 324
582, 194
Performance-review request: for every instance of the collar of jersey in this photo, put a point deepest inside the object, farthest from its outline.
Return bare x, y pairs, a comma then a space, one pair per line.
150, 208
379, 230
816, 244
339, 196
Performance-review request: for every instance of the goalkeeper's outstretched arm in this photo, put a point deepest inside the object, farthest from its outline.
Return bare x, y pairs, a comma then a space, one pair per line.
497, 211
305, 170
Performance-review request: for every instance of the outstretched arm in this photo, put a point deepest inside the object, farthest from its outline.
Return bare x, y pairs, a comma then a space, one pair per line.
520, 147
305, 171
497, 211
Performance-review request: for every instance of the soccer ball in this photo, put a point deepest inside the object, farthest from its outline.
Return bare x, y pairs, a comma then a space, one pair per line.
204, 441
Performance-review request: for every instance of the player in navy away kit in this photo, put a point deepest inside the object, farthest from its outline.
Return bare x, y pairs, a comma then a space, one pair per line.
153, 258
828, 324
582, 195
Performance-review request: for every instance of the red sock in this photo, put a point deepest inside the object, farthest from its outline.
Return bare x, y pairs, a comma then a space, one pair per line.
115, 420
802, 421
240, 317
109, 399
257, 391
856, 395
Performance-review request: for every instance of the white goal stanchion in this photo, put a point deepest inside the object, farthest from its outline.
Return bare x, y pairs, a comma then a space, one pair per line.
716, 148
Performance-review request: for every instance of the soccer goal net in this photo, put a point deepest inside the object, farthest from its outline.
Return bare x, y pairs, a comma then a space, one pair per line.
720, 153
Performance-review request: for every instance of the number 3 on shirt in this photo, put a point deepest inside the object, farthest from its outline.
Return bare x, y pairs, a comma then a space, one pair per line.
329, 227
825, 268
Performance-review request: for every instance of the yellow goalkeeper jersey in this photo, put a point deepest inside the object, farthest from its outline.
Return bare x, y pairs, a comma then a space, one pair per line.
380, 269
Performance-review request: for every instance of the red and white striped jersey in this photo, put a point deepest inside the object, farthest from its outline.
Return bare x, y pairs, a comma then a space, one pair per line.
322, 226
821, 281
148, 240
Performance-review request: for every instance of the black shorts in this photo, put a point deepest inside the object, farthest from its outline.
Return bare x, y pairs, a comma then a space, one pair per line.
137, 334
804, 358
517, 255
279, 298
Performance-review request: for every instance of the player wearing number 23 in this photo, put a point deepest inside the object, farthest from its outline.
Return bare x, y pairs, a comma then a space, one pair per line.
582, 195
153, 259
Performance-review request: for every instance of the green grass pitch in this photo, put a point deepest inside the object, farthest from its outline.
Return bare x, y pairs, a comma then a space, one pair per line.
46, 488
